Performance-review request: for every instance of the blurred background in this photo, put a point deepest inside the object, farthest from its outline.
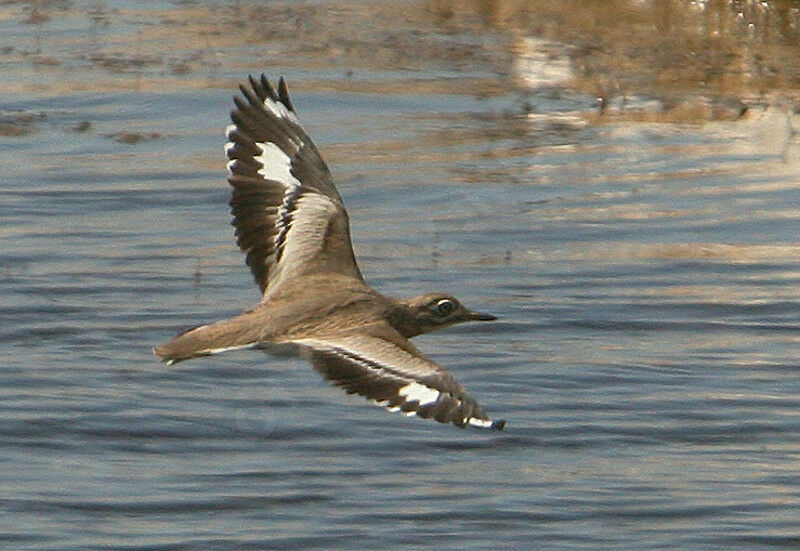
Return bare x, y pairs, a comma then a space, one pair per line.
616, 180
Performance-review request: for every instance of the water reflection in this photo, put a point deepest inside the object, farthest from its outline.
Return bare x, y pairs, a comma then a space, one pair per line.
643, 262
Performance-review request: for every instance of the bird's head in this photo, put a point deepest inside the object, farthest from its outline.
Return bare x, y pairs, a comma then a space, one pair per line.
437, 310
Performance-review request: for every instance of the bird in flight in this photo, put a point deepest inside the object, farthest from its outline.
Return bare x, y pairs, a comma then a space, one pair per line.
293, 228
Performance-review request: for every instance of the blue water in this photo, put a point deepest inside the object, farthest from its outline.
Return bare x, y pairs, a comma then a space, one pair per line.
645, 277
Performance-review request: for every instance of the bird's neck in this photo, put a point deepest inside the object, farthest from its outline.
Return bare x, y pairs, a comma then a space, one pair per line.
404, 319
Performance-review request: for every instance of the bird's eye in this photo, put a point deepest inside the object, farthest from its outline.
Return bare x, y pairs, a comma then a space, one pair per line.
443, 308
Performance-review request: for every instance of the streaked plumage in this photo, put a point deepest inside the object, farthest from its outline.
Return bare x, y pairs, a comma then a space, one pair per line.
293, 228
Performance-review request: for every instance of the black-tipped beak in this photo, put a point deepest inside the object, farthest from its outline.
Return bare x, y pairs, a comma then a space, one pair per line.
477, 316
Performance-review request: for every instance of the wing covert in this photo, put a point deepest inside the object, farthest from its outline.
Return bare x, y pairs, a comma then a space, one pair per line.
289, 217
395, 375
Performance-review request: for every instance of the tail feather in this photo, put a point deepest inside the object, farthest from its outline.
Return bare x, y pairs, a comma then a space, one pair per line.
206, 340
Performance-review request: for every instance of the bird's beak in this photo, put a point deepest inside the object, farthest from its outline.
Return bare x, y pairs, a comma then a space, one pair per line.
477, 316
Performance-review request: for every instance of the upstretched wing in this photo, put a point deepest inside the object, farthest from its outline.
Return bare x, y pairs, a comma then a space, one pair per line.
391, 372
289, 218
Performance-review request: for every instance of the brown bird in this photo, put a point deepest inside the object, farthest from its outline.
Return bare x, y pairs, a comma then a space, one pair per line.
292, 225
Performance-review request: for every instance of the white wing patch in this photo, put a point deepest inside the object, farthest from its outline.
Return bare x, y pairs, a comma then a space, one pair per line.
280, 110
415, 392
229, 146
276, 165
480, 423
388, 361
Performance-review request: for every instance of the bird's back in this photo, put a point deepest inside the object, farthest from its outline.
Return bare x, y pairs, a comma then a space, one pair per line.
315, 304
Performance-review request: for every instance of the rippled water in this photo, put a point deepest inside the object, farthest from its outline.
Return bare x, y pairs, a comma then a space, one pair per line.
645, 275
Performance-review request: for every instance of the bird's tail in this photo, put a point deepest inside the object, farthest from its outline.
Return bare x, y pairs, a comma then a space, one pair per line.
232, 334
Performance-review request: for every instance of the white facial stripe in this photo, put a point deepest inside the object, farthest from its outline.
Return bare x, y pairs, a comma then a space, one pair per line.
415, 392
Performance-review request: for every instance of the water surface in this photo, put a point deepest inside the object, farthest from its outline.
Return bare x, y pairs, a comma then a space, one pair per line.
645, 276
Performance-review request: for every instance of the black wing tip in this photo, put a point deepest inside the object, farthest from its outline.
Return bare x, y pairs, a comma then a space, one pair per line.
283, 94
245, 92
263, 87
268, 87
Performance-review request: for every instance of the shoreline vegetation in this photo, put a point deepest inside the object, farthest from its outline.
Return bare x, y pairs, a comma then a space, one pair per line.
651, 60
702, 60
